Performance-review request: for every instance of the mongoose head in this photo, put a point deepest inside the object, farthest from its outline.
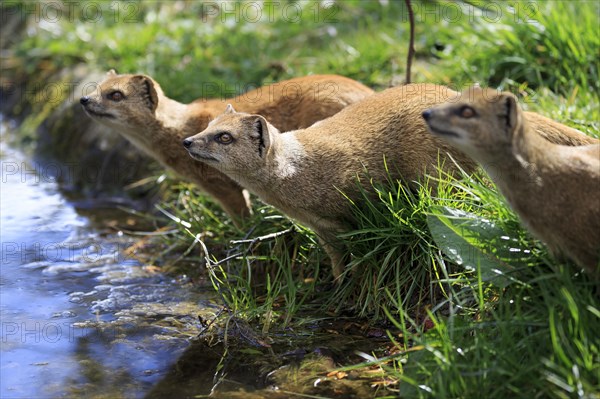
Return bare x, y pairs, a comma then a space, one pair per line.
480, 122
124, 102
233, 141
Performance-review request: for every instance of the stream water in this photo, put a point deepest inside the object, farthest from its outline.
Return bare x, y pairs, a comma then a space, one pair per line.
77, 317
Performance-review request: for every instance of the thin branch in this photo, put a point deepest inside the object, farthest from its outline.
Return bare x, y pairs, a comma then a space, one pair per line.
264, 238
210, 265
411, 45
230, 257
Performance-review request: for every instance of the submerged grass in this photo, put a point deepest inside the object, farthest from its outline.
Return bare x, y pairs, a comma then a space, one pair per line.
482, 309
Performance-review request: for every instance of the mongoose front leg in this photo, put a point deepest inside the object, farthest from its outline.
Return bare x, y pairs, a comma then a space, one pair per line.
335, 249
231, 196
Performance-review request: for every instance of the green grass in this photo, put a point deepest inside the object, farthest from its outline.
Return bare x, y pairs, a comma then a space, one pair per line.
517, 323
543, 44
480, 315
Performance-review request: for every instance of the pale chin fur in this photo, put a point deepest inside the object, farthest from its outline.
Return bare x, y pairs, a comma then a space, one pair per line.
97, 114
458, 137
202, 158
442, 132
110, 121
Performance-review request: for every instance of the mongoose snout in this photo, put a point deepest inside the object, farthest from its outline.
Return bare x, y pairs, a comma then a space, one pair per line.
95, 109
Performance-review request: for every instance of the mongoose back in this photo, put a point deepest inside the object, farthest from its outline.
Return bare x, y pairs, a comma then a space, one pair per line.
555, 189
136, 107
303, 173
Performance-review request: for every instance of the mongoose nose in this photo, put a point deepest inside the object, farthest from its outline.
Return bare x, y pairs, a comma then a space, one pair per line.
187, 143
426, 114
84, 100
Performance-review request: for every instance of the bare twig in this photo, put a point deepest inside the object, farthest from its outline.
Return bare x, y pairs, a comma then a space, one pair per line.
264, 238
252, 241
227, 259
411, 45
210, 265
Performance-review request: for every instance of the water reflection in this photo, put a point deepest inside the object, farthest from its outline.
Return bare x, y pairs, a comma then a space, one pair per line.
78, 318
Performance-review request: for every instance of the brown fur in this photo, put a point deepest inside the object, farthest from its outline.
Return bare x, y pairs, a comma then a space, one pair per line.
555, 189
157, 124
302, 172
557, 133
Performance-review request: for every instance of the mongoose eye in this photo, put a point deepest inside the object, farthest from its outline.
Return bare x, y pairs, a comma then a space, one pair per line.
116, 95
466, 112
224, 138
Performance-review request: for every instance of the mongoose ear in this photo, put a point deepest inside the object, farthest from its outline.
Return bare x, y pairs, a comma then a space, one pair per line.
147, 90
512, 112
229, 109
112, 72
260, 132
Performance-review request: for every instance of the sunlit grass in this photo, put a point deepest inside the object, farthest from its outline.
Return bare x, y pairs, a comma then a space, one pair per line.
529, 334
543, 44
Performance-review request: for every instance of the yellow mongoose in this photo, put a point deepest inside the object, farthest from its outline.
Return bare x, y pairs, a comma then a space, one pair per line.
303, 172
554, 189
136, 107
